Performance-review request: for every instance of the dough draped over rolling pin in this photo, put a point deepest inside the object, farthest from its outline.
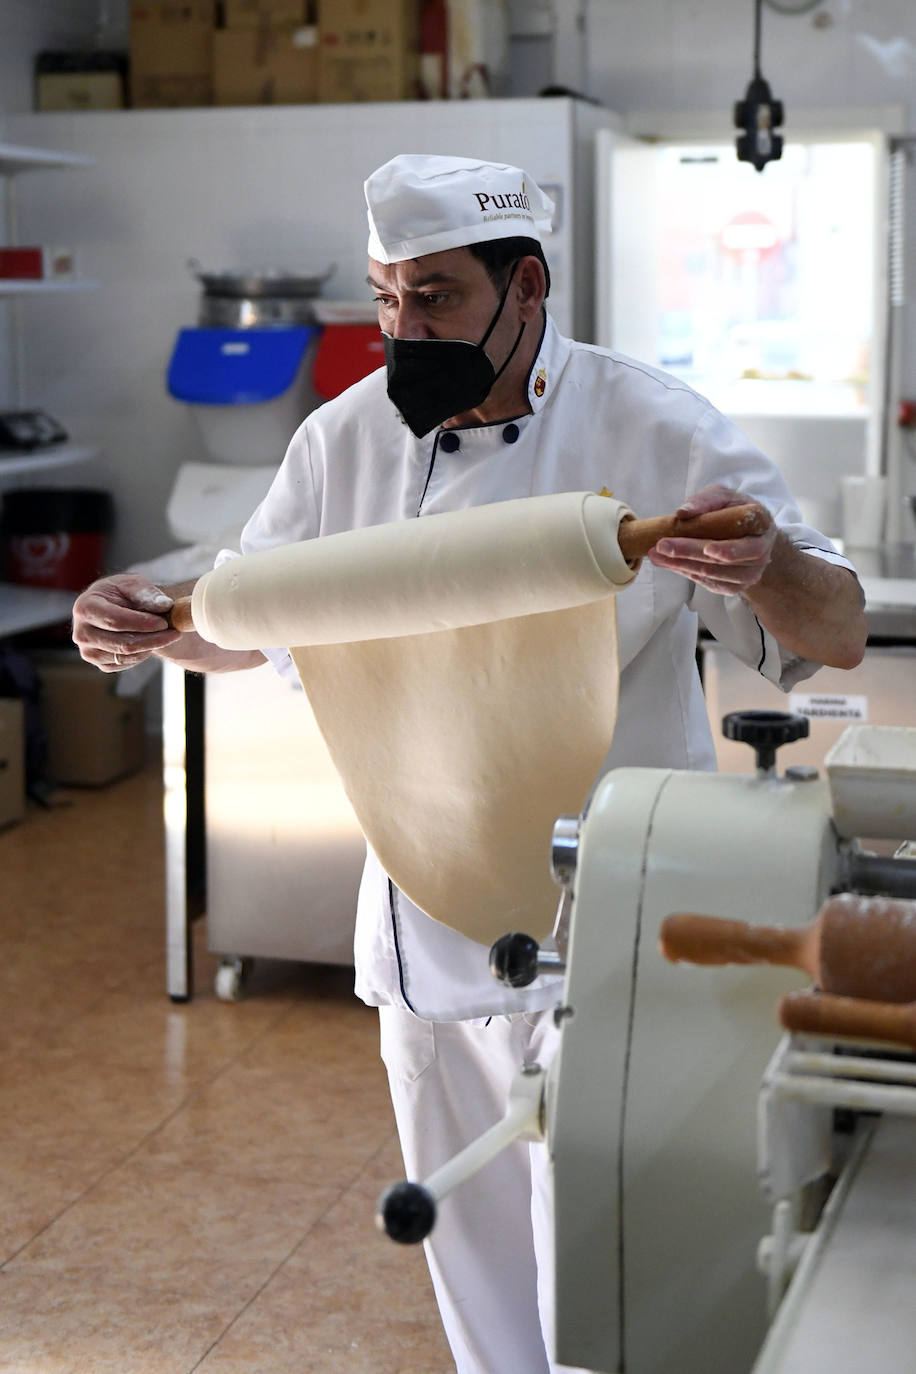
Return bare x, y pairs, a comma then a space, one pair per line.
463, 671
439, 572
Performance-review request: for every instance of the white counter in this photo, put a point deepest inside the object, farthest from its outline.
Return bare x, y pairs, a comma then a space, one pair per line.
889, 591
888, 577
31, 608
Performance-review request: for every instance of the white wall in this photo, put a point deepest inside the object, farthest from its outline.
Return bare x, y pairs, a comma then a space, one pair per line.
812, 453
697, 54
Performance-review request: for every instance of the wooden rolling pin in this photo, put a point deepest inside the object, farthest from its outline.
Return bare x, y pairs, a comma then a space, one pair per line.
635, 537
179, 617
856, 946
813, 1013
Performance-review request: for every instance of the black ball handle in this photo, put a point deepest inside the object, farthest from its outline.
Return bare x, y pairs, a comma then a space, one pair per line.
514, 960
406, 1212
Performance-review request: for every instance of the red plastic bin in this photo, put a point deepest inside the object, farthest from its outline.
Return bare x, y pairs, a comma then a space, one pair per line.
345, 354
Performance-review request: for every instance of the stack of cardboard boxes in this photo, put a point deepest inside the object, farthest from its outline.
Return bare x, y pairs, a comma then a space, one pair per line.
171, 52
93, 735
90, 736
272, 52
80, 80
368, 50
12, 761
266, 54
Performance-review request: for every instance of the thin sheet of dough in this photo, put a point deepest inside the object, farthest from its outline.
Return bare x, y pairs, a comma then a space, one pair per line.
458, 747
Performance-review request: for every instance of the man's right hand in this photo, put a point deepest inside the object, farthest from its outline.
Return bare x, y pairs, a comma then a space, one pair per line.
119, 621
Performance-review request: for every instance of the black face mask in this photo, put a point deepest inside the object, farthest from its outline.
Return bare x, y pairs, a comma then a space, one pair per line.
430, 380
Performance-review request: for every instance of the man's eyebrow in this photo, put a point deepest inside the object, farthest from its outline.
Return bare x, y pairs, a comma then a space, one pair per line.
435, 279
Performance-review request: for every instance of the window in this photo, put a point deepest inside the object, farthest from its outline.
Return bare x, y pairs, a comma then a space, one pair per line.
758, 289
766, 280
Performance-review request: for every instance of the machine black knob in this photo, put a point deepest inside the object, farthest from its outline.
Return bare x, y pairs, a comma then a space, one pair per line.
514, 960
764, 731
406, 1212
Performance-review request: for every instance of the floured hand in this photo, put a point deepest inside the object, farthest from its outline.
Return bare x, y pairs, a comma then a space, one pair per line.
727, 566
119, 621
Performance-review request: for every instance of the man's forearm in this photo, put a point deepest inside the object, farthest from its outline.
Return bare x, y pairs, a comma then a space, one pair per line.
198, 656
813, 607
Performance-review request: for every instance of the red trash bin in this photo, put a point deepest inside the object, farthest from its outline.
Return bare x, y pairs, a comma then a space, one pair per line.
346, 353
55, 537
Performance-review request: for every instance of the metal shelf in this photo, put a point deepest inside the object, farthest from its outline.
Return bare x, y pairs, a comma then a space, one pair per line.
30, 608
14, 158
13, 463
15, 286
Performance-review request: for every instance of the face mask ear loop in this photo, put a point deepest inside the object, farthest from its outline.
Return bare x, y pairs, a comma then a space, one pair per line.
499, 309
492, 325
518, 339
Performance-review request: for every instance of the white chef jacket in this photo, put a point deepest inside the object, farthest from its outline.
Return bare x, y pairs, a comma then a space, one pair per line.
599, 422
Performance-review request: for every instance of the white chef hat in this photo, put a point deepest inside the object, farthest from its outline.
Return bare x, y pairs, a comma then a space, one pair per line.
420, 203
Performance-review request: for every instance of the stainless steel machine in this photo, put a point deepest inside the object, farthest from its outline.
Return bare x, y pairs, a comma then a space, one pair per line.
649, 1109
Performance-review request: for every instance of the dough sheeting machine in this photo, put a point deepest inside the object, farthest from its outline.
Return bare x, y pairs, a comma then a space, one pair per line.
650, 1107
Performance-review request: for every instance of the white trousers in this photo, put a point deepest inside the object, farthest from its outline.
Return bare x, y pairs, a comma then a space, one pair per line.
491, 1251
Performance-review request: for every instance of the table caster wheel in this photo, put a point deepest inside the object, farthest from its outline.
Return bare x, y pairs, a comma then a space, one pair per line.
230, 979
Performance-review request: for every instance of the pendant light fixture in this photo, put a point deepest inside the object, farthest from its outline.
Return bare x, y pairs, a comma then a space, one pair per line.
758, 115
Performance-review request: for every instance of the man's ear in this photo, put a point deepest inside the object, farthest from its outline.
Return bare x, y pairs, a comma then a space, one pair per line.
530, 287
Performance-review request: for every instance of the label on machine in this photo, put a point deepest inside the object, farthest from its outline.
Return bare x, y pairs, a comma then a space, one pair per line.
829, 705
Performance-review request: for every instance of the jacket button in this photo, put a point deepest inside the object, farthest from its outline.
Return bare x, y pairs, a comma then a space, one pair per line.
449, 441
510, 434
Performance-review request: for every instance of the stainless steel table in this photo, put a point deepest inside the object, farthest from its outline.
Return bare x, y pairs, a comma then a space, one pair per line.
259, 833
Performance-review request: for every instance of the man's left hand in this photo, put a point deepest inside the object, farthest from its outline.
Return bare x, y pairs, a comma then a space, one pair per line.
726, 566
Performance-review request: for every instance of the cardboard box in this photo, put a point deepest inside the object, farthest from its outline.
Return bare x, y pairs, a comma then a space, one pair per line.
256, 14
94, 735
79, 91
74, 79
266, 66
12, 761
171, 52
368, 50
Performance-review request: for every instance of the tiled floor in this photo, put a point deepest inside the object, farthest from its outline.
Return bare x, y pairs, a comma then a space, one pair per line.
183, 1187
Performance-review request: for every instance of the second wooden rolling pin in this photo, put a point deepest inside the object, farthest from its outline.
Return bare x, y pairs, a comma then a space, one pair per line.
814, 1013
635, 537
861, 947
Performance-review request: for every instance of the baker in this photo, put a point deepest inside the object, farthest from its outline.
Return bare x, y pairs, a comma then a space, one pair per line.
482, 400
